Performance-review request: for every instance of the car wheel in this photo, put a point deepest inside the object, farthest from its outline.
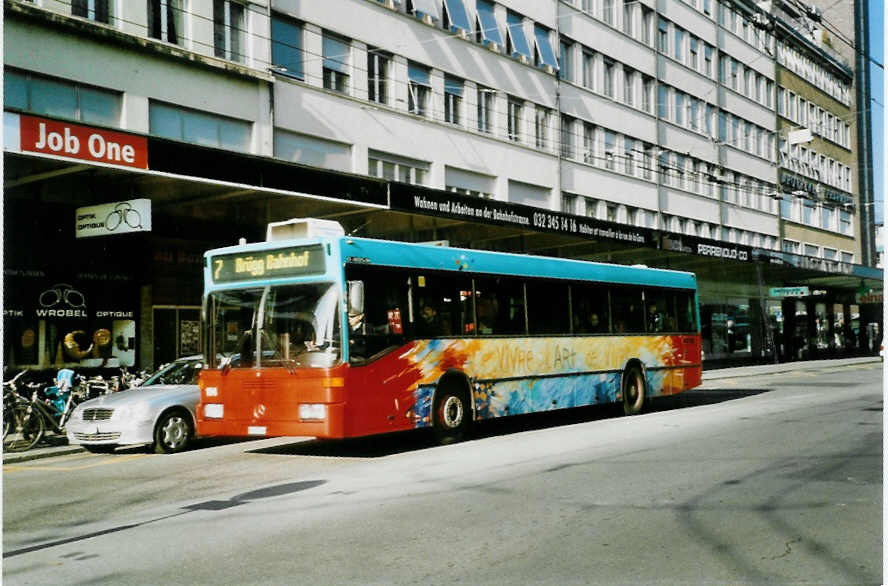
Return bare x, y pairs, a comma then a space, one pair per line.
173, 432
100, 449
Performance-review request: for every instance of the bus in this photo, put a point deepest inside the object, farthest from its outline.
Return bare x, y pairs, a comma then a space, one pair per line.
317, 333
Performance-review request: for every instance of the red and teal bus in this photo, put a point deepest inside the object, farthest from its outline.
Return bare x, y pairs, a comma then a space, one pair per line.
316, 333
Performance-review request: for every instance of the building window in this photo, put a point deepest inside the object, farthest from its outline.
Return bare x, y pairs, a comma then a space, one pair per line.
610, 146
485, 109
541, 127
791, 246
812, 250
165, 20
827, 216
629, 155
487, 30
647, 91
663, 36
847, 257
514, 119
693, 54
229, 30
707, 60
647, 25
516, 41
627, 16
336, 59
588, 143
609, 68
567, 137
628, 86
566, 53
97, 10
607, 11
589, 70
377, 75
679, 43
569, 203
286, 46
418, 89
198, 127
396, 168
679, 108
453, 91
808, 213
845, 222
60, 99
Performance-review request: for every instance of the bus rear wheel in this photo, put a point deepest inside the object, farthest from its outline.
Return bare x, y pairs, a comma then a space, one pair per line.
452, 415
633, 391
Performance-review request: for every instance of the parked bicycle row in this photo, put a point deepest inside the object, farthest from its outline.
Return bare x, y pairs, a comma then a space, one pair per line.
32, 409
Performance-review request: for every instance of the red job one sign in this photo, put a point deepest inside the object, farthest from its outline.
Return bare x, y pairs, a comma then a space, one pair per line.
40, 135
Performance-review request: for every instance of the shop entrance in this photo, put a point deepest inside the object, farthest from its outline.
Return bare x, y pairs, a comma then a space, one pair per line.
176, 332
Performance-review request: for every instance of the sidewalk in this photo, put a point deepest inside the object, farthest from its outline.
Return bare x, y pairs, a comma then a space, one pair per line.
60, 447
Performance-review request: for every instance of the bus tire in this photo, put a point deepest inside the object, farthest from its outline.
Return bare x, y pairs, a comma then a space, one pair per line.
452, 414
633, 391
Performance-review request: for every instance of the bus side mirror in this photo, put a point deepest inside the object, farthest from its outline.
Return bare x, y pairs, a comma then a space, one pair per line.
355, 297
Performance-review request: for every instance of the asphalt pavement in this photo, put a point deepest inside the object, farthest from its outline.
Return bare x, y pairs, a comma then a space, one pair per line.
58, 446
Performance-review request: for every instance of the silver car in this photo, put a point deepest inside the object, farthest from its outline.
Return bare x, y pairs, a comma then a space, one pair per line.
159, 412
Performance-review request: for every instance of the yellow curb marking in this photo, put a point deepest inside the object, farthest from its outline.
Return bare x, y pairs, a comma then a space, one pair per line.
115, 460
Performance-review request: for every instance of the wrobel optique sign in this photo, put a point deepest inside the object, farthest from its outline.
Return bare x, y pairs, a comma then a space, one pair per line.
64, 139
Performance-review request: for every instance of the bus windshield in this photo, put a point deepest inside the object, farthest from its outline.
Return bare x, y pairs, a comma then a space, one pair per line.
288, 325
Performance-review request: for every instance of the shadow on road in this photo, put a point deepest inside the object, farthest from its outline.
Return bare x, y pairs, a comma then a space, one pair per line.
395, 443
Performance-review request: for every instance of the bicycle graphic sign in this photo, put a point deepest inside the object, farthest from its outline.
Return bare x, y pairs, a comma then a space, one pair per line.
119, 217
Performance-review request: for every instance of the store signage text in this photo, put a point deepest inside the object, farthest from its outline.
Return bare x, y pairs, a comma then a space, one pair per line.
694, 245
41, 135
301, 260
118, 217
431, 202
789, 292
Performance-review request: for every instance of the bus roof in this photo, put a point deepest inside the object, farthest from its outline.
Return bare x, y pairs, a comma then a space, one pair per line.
425, 256
369, 251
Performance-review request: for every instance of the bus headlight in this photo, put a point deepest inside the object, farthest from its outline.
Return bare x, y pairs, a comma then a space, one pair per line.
214, 410
312, 411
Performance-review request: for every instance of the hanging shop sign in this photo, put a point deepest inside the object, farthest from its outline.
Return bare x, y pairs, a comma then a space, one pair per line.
75, 141
119, 217
444, 204
706, 247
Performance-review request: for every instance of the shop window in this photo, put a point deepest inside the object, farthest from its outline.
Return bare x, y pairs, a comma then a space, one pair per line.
60, 99
229, 30
176, 333
286, 46
548, 307
165, 20
198, 127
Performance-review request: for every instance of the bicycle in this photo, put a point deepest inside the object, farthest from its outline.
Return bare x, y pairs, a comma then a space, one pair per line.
21, 428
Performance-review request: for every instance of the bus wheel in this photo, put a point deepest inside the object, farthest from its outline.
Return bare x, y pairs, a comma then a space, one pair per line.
633, 391
453, 415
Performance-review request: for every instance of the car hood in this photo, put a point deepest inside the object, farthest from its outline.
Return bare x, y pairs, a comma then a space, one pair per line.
151, 394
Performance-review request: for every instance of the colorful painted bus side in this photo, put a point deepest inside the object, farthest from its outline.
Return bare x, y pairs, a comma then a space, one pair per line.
441, 338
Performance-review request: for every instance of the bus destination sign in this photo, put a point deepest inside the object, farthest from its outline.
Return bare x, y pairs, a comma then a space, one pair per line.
283, 262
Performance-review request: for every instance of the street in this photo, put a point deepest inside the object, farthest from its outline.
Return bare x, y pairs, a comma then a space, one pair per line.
772, 478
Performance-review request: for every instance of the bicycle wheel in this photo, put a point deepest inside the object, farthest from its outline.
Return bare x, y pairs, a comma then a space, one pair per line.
26, 429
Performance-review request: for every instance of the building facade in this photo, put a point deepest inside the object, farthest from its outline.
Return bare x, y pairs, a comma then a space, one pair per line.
633, 132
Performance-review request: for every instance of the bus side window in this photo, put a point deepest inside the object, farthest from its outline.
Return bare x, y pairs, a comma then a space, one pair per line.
660, 310
628, 310
385, 307
684, 303
591, 313
440, 307
500, 305
548, 307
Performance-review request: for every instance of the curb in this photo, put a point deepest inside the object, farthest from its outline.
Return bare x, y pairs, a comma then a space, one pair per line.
40, 453
783, 368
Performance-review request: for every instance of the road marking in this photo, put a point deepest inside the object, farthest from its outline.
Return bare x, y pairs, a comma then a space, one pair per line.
115, 460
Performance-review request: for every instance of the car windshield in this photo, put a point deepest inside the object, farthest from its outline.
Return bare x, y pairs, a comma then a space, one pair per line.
181, 372
288, 325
